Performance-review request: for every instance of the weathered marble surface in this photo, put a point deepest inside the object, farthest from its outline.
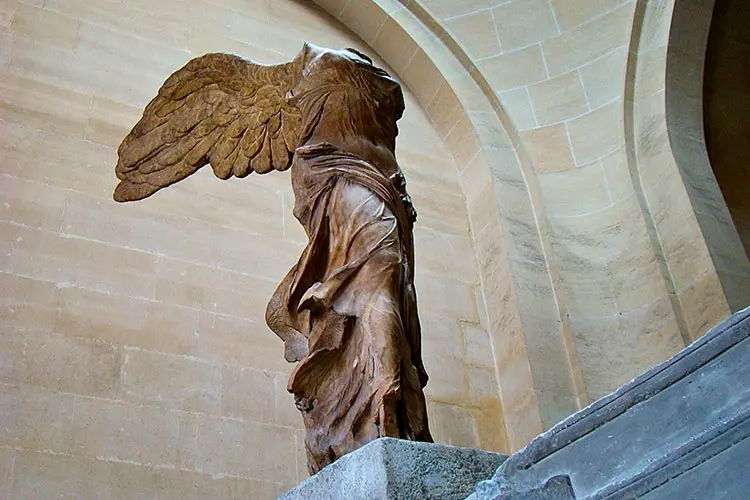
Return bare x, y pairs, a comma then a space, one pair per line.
395, 469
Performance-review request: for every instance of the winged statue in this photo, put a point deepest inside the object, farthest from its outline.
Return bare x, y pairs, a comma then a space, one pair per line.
347, 310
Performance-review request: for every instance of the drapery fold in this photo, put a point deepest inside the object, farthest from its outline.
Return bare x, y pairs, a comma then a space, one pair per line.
347, 310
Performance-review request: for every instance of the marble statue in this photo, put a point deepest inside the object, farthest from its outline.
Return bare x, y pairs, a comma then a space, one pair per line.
347, 311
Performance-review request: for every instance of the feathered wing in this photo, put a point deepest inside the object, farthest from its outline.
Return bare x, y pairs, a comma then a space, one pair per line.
218, 109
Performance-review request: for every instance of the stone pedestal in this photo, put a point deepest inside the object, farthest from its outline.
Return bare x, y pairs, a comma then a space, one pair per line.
395, 469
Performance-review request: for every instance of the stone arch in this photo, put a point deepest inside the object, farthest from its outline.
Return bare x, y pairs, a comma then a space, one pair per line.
686, 57
660, 280
668, 161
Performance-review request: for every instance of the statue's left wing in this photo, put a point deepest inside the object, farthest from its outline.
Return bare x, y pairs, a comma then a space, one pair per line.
218, 109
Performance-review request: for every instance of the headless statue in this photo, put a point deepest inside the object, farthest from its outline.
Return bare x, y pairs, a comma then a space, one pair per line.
347, 311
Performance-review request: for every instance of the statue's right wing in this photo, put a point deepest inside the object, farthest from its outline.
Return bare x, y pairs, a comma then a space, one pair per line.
218, 109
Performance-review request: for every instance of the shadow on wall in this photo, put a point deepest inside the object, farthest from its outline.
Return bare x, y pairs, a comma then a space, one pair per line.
726, 99
707, 92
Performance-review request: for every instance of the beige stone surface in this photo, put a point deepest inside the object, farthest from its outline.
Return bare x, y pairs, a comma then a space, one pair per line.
443, 9
444, 109
575, 192
36, 419
704, 298
48, 107
26, 303
424, 77
68, 365
590, 193
171, 381
478, 27
583, 43
222, 446
479, 352
463, 140
598, 133
135, 355
365, 18
517, 104
571, 13
521, 23
605, 341
558, 98
38, 473
44, 26
636, 277
454, 425
536, 149
514, 69
549, 148
617, 174
7, 462
604, 78
395, 45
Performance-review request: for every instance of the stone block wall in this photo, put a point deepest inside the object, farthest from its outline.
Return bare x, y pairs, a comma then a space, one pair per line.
601, 267
560, 247
708, 133
134, 358
594, 258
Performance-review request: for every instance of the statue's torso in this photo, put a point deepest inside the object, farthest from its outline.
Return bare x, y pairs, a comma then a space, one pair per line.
359, 144
349, 105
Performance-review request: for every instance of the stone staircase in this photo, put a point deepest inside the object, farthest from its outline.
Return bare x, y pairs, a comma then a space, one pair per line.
679, 431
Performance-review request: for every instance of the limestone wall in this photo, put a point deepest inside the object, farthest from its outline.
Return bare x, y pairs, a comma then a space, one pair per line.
601, 269
717, 187
595, 260
565, 243
134, 359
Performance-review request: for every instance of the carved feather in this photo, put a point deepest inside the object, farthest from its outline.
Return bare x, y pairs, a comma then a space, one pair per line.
218, 109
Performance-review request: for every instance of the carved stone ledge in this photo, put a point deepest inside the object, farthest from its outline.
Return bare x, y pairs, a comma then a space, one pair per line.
680, 428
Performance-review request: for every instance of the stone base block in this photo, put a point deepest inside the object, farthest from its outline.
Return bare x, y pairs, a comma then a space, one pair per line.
391, 469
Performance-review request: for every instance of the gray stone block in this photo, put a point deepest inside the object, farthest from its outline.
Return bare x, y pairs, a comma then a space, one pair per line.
555, 488
395, 469
680, 430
